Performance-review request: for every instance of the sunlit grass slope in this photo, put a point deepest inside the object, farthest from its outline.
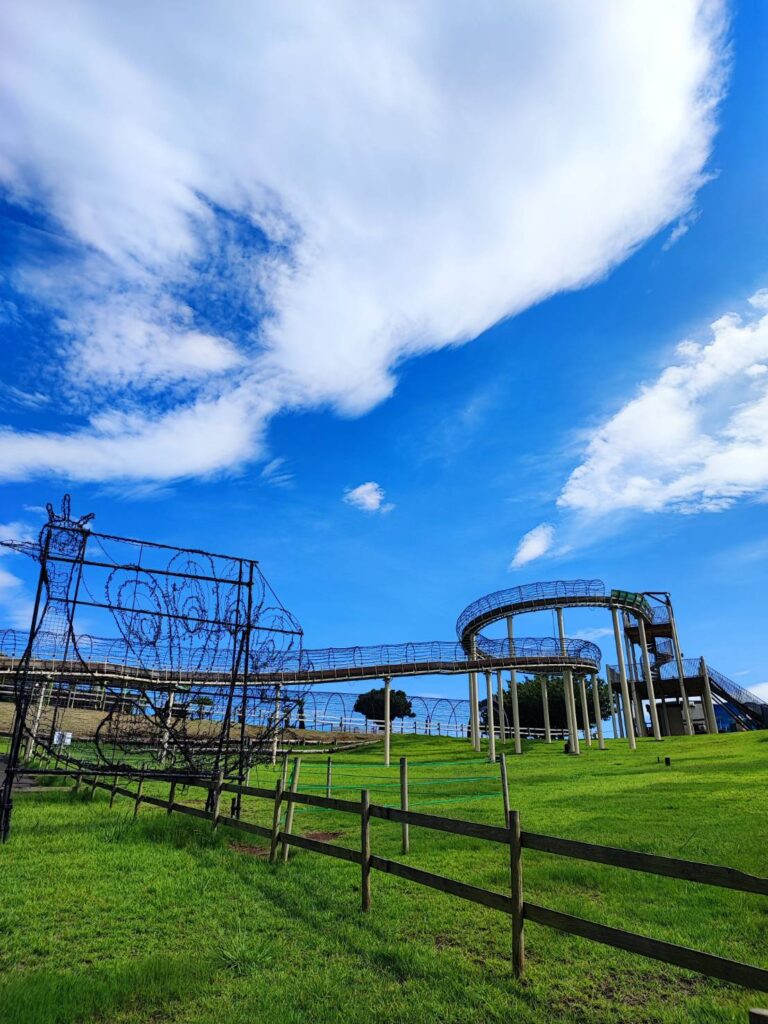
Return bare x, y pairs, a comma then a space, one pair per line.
103, 918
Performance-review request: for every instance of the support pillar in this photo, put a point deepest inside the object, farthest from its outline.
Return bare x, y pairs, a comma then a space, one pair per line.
545, 710
687, 723
570, 699
648, 678
474, 698
623, 680
387, 719
585, 713
598, 712
612, 702
489, 716
502, 712
515, 714
709, 704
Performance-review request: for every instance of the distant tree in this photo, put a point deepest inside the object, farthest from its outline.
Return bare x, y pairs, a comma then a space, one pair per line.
530, 705
371, 705
203, 705
302, 720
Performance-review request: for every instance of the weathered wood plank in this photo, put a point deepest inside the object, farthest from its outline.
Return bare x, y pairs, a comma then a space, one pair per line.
328, 849
365, 846
516, 880
690, 871
334, 804
155, 801
475, 829
494, 900
246, 826
656, 949
196, 812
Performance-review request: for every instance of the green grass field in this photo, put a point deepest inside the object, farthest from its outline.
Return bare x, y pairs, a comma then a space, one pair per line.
103, 918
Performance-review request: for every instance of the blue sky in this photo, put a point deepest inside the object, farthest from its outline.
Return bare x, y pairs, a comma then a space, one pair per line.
259, 260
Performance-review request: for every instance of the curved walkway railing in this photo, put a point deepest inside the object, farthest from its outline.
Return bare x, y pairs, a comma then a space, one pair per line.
115, 657
551, 594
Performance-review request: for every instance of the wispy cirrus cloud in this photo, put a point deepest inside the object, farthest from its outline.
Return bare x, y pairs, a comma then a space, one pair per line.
270, 207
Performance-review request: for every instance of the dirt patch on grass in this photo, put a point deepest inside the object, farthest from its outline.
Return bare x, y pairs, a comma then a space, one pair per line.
253, 851
323, 837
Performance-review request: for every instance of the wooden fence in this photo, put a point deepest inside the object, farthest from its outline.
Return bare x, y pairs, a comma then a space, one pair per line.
511, 836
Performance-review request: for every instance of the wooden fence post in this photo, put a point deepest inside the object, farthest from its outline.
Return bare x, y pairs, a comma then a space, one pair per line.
93, 785
139, 788
276, 820
171, 796
291, 807
216, 801
113, 793
77, 782
365, 849
758, 1016
328, 778
504, 787
516, 871
404, 802
284, 769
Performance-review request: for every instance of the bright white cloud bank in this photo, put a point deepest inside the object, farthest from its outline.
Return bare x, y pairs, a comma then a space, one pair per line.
417, 172
534, 544
695, 439
369, 497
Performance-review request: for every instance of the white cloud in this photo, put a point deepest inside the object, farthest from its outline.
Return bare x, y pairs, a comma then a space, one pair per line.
534, 544
417, 172
695, 439
369, 497
593, 634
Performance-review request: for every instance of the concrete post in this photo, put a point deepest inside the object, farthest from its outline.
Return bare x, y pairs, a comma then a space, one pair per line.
585, 713
612, 702
545, 709
489, 715
474, 698
687, 723
634, 675
515, 714
598, 712
623, 680
277, 725
570, 699
502, 712
471, 713
387, 719
648, 678
709, 704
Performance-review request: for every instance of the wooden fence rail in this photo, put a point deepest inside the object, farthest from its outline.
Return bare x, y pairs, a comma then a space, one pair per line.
512, 836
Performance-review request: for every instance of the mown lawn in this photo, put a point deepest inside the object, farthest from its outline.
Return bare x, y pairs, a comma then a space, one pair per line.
103, 918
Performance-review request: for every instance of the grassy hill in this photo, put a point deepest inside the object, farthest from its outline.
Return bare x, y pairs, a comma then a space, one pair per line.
103, 918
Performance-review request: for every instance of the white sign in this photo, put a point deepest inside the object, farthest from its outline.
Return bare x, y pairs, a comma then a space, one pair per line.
62, 739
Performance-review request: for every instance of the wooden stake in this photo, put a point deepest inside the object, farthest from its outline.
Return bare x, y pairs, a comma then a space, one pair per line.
276, 821
504, 786
328, 778
113, 794
171, 796
291, 807
365, 850
217, 799
404, 802
138, 795
516, 871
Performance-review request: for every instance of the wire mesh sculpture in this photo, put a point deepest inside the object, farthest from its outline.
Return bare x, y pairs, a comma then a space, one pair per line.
168, 669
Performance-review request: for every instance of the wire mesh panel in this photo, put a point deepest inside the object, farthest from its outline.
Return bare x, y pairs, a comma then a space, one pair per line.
160, 648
